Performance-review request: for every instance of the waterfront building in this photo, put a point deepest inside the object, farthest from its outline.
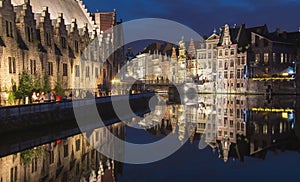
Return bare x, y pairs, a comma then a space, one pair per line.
207, 63
49, 39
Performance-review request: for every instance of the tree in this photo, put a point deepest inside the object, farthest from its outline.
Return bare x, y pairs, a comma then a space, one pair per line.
36, 84
58, 88
46, 85
25, 86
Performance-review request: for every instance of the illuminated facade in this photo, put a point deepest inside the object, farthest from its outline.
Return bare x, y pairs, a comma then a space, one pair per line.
49, 39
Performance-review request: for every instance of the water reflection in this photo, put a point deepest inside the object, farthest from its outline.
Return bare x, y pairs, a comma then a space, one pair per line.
70, 159
232, 126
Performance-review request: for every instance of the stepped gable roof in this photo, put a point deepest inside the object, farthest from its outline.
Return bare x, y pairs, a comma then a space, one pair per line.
234, 32
70, 8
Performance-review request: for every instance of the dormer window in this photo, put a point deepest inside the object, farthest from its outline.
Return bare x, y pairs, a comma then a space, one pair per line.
9, 29
29, 33
63, 42
48, 39
76, 46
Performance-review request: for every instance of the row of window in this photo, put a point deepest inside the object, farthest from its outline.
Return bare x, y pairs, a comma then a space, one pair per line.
238, 115
231, 75
226, 52
33, 68
208, 55
230, 63
283, 58
77, 70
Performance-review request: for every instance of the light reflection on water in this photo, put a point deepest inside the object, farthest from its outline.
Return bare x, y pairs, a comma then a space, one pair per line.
245, 135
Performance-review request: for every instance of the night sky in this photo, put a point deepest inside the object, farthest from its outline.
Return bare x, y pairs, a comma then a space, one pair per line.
204, 16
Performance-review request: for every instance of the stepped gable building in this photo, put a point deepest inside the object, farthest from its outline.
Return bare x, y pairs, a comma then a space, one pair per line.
50, 38
252, 59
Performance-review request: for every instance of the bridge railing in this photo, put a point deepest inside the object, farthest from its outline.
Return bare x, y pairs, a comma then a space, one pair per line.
11, 111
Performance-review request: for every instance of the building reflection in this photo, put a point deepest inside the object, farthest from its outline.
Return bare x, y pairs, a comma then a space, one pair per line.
236, 125
70, 159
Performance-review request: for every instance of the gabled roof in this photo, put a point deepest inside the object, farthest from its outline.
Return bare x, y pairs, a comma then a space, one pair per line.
70, 8
262, 30
213, 36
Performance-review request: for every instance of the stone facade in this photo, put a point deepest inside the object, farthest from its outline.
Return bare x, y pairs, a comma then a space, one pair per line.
64, 44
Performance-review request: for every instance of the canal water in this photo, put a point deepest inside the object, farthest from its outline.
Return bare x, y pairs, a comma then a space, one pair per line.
221, 138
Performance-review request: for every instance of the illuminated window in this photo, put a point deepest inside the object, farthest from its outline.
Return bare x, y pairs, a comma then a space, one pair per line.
265, 129
266, 57
257, 58
280, 127
281, 58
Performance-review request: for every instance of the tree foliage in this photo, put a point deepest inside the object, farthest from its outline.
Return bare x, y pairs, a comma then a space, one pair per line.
46, 84
25, 86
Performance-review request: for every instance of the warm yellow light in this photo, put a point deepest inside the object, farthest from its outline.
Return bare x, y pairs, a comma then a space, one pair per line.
114, 81
284, 115
272, 110
285, 74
